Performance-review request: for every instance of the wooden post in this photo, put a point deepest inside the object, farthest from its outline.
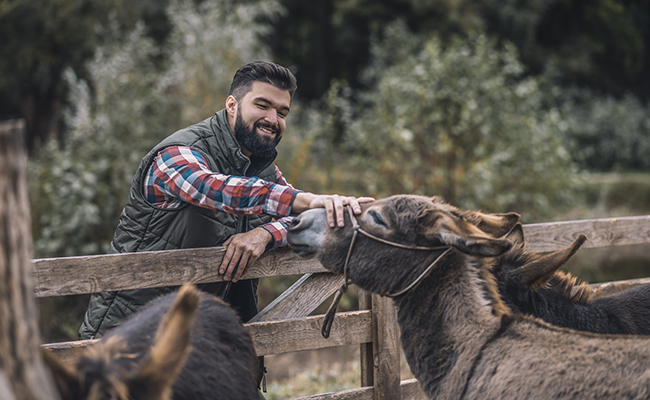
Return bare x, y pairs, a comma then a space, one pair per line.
23, 374
386, 349
366, 362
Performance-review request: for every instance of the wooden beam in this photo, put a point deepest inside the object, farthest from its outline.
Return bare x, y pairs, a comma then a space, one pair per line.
606, 232
609, 288
365, 349
89, 274
275, 337
386, 349
410, 390
303, 297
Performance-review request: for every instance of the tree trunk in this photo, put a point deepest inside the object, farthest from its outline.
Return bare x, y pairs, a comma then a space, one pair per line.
23, 374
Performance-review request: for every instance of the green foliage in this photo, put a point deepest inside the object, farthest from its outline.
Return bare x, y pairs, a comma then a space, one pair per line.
461, 121
78, 190
41, 40
609, 134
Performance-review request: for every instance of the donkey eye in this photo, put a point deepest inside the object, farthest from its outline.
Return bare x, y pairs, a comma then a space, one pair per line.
377, 218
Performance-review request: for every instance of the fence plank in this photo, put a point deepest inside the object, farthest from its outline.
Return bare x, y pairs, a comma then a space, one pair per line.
609, 288
362, 393
365, 349
89, 274
276, 337
604, 232
386, 348
410, 390
286, 336
303, 297
173, 267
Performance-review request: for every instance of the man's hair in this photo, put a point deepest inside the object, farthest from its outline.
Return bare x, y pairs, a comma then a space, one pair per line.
261, 71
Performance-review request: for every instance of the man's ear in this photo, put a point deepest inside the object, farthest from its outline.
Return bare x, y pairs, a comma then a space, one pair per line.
231, 105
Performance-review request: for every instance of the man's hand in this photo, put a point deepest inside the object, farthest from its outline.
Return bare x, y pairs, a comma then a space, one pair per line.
333, 205
243, 250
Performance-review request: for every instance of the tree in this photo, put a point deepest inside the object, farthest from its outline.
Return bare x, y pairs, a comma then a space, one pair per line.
460, 120
42, 40
23, 375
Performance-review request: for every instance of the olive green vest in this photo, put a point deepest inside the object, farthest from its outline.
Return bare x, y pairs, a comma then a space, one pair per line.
144, 227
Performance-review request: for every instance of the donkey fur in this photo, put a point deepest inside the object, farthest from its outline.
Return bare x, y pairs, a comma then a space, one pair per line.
459, 337
532, 284
189, 346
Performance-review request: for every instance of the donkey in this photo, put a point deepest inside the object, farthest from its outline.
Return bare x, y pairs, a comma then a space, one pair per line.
459, 337
532, 284
189, 345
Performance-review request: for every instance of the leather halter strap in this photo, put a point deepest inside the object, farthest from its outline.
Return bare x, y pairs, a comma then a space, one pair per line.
329, 316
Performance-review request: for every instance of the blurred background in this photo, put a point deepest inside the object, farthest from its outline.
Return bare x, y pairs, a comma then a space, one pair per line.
534, 106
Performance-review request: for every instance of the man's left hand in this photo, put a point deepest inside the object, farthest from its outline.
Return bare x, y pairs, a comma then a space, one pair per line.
243, 250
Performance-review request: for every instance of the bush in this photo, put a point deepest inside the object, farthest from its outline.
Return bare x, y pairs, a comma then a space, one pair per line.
608, 134
460, 120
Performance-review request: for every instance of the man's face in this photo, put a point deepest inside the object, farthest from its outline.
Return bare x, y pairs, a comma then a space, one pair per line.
261, 119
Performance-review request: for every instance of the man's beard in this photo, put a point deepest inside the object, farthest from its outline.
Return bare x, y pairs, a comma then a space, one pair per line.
258, 145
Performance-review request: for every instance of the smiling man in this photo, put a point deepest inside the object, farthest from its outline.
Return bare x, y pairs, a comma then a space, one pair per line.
212, 184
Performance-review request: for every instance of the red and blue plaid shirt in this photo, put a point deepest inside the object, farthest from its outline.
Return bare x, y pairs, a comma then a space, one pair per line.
181, 175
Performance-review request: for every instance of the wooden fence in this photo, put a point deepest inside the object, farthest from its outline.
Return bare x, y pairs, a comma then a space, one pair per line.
285, 325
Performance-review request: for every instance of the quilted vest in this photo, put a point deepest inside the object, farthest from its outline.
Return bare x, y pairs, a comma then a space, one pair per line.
144, 227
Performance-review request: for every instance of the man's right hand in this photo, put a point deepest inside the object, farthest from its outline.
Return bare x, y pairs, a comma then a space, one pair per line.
333, 204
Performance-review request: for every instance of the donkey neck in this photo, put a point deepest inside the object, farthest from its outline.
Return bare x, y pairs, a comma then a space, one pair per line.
444, 324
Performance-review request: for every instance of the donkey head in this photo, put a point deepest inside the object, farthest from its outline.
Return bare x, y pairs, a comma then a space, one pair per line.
426, 227
518, 272
107, 371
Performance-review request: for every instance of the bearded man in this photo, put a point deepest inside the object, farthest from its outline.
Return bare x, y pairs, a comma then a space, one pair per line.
215, 184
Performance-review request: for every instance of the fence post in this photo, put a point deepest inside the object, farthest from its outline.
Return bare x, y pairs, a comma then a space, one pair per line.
22, 371
386, 348
366, 362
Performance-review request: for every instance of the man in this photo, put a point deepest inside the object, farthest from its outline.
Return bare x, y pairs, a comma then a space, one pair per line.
211, 184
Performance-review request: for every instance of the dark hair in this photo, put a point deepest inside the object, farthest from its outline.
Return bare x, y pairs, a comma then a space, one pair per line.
262, 71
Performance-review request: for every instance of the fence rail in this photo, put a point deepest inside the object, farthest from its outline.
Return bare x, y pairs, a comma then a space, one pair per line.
285, 325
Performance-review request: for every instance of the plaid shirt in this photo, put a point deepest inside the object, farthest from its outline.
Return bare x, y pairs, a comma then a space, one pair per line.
181, 175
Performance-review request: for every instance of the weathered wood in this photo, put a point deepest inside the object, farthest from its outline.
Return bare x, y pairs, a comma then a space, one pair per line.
386, 348
173, 267
286, 336
303, 297
21, 363
89, 274
410, 390
604, 232
362, 393
609, 288
275, 337
365, 349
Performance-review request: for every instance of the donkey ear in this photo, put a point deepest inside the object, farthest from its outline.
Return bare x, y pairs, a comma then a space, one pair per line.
536, 273
172, 345
516, 235
463, 235
496, 225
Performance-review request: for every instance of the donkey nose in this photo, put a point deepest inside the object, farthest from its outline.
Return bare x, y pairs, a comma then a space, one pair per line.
299, 224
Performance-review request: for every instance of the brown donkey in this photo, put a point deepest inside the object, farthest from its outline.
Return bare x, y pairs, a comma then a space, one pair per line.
532, 284
460, 339
185, 345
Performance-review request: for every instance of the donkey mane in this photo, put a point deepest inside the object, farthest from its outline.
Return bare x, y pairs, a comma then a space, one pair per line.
562, 283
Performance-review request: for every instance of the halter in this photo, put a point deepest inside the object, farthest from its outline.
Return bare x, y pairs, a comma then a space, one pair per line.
329, 316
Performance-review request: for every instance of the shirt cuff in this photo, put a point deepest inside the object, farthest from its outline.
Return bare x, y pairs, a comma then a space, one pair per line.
278, 230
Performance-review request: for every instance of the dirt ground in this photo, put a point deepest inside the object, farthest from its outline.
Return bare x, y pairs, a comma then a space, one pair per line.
283, 367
